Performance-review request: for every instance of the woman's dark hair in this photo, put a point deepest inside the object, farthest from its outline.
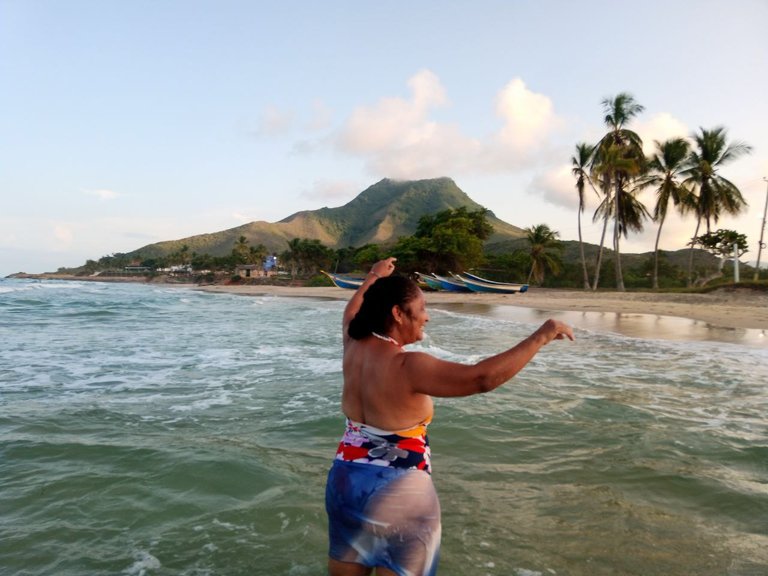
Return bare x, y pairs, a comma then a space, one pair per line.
375, 314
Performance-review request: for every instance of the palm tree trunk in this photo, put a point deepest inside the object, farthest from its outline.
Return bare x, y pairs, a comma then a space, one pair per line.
656, 257
617, 258
690, 257
616, 234
583, 260
600, 254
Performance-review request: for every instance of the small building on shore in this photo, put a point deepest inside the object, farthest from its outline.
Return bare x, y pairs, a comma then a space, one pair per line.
248, 270
266, 269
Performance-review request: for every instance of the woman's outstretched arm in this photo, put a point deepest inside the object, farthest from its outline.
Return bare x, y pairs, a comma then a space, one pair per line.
429, 375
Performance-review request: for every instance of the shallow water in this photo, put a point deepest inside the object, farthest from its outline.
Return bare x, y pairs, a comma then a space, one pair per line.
150, 430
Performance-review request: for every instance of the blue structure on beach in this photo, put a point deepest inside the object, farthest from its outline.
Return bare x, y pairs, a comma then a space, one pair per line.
270, 263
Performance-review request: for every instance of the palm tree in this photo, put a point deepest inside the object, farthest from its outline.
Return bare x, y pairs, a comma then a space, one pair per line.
619, 157
714, 194
664, 169
240, 250
579, 164
293, 255
619, 166
257, 254
544, 255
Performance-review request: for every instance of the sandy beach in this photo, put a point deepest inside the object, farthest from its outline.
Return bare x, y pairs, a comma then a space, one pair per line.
726, 308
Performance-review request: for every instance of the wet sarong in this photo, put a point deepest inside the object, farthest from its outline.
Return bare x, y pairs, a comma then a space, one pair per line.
382, 506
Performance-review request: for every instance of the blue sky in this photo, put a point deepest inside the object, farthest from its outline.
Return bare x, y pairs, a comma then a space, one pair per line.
126, 123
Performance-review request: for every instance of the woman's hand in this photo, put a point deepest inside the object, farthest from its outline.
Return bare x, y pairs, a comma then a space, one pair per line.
384, 268
555, 330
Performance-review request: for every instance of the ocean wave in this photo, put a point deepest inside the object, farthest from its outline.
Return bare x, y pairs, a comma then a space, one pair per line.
206, 424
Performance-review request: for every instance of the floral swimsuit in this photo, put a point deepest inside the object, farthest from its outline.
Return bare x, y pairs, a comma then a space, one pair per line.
369, 445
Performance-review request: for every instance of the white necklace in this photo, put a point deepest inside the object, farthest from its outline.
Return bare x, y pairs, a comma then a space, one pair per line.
386, 338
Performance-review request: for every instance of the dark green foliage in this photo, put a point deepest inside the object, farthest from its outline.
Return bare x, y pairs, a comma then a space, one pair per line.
367, 256
474, 222
715, 195
544, 251
319, 281
351, 259
306, 257
244, 253
413, 254
451, 240
505, 267
721, 242
513, 265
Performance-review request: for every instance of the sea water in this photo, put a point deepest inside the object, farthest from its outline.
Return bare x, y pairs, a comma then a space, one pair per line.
150, 430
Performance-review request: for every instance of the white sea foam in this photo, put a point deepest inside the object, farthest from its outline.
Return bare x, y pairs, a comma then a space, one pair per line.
526, 572
143, 565
227, 525
326, 367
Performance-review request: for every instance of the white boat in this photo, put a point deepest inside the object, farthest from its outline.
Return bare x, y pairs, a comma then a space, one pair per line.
477, 284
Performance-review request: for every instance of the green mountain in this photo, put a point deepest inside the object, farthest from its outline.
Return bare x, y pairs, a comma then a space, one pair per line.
380, 214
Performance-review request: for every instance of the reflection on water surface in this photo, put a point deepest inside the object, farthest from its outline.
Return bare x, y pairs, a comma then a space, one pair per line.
649, 326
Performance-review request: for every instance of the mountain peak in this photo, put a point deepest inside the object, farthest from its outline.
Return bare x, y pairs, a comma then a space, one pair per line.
380, 214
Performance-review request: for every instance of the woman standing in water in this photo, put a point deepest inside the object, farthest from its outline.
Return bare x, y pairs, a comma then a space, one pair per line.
382, 508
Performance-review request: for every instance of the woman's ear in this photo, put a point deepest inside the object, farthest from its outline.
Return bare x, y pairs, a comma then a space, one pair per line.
397, 314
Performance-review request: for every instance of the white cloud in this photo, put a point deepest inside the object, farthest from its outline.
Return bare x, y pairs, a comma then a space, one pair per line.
394, 123
399, 138
661, 127
556, 186
529, 118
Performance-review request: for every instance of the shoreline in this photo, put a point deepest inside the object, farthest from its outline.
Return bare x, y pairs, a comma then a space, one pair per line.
728, 308
729, 314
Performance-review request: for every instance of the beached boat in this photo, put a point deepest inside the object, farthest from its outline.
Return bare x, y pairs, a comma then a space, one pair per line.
477, 284
349, 282
452, 284
430, 281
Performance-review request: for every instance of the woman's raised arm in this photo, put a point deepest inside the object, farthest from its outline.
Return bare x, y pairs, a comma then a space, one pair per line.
381, 269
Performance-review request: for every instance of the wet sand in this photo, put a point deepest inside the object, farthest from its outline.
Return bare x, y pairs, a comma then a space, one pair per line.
727, 314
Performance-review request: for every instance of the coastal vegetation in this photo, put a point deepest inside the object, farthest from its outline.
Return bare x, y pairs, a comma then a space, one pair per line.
448, 241
433, 226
